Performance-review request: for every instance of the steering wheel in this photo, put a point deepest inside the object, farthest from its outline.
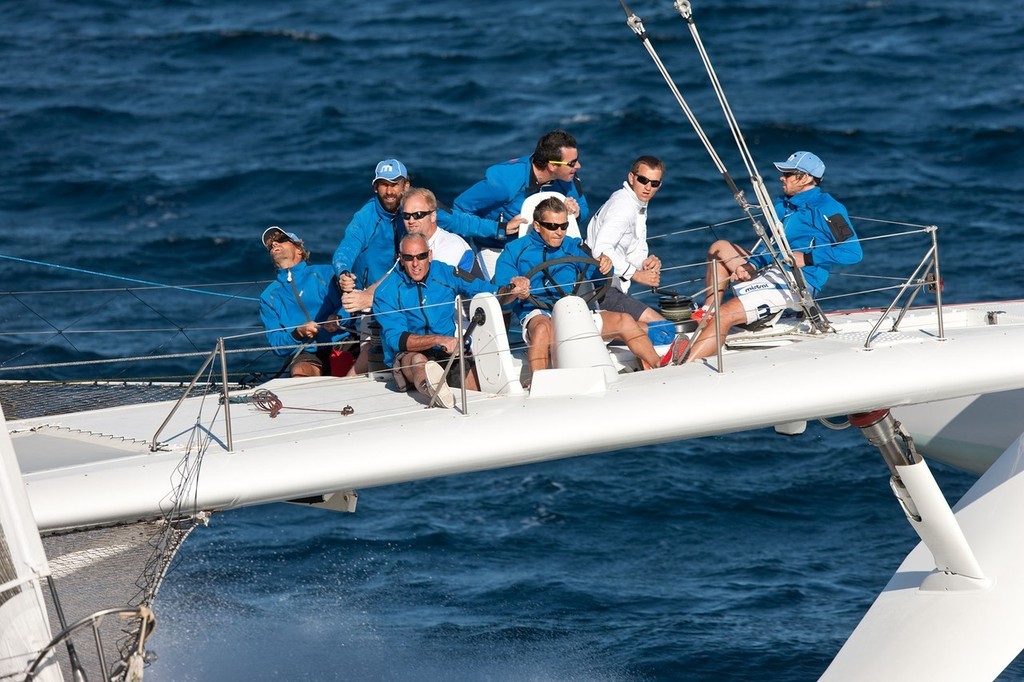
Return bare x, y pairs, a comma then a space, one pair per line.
597, 293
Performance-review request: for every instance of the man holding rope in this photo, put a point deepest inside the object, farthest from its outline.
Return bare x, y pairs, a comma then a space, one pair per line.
303, 305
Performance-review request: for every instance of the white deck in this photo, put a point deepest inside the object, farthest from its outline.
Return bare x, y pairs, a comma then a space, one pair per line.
96, 467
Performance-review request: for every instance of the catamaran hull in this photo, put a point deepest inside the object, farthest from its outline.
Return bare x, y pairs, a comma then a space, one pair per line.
96, 467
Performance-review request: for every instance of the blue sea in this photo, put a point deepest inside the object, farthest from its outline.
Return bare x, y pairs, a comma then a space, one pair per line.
144, 144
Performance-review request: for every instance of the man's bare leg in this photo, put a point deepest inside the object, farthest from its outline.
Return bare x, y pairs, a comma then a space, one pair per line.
624, 328
412, 368
541, 333
729, 315
362, 364
729, 257
305, 369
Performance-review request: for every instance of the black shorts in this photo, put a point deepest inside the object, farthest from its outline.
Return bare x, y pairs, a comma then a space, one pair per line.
617, 302
321, 359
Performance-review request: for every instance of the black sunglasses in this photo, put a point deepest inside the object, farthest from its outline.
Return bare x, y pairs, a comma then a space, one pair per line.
409, 257
644, 180
417, 215
789, 174
553, 226
278, 238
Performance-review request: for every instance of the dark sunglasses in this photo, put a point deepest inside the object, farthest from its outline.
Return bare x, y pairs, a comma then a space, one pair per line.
644, 180
571, 164
789, 174
418, 215
553, 226
278, 238
410, 257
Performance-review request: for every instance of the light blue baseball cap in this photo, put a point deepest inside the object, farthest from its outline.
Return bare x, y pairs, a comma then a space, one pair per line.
390, 170
805, 162
292, 237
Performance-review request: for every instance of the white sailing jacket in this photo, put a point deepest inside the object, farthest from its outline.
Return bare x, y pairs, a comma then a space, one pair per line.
619, 230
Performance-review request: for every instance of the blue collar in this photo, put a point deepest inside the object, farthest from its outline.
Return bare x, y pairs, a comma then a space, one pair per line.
282, 274
801, 199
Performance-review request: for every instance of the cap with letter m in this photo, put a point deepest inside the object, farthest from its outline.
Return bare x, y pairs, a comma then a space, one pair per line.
390, 170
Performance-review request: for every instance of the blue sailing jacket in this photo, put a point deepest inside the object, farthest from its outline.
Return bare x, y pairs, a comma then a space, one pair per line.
501, 193
281, 311
404, 307
369, 245
523, 255
819, 227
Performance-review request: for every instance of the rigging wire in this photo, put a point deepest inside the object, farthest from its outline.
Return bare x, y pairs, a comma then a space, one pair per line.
124, 279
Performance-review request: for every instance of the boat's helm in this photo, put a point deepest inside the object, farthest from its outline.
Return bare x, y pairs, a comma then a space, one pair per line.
595, 293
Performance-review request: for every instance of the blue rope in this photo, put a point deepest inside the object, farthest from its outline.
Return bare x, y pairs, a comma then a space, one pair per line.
127, 279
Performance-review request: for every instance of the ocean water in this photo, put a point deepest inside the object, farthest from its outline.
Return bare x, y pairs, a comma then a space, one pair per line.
145, 144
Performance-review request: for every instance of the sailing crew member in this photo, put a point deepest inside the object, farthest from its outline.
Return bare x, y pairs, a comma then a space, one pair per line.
619, 230
419, 213
548, 241
553, 166
820, 236
415, 307
303, 305
368, 248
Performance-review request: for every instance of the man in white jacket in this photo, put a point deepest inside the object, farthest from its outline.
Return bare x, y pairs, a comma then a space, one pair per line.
619, 230
419, 213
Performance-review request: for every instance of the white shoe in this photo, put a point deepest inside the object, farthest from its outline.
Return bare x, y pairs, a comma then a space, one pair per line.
435, 385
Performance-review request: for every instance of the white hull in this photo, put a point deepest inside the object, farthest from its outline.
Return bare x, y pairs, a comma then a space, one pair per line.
915, 633
96, 467
968, 433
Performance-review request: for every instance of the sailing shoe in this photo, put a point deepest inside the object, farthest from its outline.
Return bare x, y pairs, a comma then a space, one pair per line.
699, 314
675, 351
435, 385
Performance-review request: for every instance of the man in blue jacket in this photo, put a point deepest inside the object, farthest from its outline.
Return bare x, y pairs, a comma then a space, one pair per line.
302, 306
415, 307
546, 242
368, 248
367, 251
553, 166
820, 235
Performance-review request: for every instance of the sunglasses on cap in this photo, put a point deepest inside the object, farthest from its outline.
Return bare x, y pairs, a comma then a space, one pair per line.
416, 215
410, 257
644, 180
553, 226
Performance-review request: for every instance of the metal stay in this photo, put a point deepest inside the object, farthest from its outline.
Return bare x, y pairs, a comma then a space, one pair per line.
217, 351
930, 261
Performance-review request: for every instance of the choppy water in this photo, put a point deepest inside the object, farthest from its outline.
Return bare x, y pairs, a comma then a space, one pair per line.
155, 142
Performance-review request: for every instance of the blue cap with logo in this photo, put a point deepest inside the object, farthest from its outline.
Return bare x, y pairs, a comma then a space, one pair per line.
805, 162
390, 170
269, 232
